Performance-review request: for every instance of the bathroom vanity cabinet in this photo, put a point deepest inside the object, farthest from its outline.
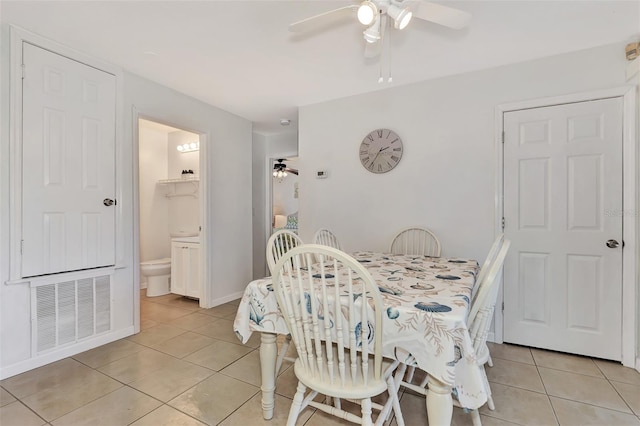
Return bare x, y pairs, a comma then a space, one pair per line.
185, 268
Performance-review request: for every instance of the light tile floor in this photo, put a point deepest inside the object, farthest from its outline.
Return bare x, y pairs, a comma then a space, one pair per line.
186, 367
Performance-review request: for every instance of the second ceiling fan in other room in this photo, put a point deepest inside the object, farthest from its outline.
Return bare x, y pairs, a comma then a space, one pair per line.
376, 14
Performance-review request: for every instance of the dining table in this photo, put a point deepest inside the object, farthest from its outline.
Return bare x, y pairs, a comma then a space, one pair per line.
426, 302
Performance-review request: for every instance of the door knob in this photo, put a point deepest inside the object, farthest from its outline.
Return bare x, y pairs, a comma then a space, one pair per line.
108, 202
612, 243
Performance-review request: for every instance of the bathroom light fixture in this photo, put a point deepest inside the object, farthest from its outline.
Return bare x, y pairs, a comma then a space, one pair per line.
188, 147
367, 12
401, 17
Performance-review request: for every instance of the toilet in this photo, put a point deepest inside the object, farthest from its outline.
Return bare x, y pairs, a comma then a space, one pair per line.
158, 272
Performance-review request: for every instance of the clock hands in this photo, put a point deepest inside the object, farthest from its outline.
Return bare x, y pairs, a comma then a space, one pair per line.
379, 151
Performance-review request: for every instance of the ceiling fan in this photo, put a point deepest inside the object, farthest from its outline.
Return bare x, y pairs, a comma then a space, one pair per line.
280, 169
375, 14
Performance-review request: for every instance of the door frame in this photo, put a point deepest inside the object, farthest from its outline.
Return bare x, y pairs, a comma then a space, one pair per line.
205, 270
270, 161
18, 36
630, 198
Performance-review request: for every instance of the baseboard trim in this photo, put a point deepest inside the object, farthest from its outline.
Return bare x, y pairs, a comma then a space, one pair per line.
227, 298
49, 357
638, 364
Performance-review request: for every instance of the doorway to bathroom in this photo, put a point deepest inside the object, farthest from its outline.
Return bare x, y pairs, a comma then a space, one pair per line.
169, 197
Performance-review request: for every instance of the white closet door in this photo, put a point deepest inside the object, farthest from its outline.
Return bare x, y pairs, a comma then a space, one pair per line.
68, 167
563, 214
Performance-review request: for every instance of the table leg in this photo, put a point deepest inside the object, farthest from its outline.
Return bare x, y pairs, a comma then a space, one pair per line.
439, 403
268, 356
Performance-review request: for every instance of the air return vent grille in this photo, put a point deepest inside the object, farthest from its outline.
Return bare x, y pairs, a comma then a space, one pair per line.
67, 312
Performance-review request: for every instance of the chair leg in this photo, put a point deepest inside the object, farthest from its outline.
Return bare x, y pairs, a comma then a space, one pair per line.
337, 403
487, 388
366, 412
410, 372
395, 402
400, 375
490, 403
296, 405
490, 361
475, 418
282, 353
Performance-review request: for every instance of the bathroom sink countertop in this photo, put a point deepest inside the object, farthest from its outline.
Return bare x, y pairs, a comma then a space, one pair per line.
195, 239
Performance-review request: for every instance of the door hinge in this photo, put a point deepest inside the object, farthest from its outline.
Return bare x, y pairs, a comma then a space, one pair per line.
23, 71
503, 222
502, 306
503, 136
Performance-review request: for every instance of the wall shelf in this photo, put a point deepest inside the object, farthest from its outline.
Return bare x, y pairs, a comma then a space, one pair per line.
174, 183
179, 180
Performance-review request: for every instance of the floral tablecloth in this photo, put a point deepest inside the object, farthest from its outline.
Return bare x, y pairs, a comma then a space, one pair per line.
426, 301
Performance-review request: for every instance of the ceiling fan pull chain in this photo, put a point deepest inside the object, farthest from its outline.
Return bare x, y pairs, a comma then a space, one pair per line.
390, 78
383, 32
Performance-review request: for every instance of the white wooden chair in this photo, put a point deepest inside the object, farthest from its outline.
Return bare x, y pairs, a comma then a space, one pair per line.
493, 252
416, 240
337, 356
326, 238
279, 243
479, 320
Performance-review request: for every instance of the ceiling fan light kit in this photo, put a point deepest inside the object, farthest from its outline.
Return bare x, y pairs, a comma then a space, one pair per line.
367, 12
401, 17
374, 13
372, 34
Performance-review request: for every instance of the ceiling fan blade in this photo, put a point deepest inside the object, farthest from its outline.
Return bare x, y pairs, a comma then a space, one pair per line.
294, 171
325, 17
371, 50
443, 15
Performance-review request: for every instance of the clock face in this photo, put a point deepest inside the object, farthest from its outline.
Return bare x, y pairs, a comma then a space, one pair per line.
380, 151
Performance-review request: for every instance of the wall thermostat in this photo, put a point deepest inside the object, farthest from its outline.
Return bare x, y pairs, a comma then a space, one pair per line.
322, 174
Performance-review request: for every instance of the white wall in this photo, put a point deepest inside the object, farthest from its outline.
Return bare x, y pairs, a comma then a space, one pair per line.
227, 230
154, 206
259, 166
265, 149
228, 207
184, 210
445, 180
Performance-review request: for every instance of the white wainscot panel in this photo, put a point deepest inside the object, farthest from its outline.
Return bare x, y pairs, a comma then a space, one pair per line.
90, 90
54, 147
54, 81
54, 241
584, 283
534, 132
585, 128
533, 280
90, 151
584, 183
533, 193
91, 231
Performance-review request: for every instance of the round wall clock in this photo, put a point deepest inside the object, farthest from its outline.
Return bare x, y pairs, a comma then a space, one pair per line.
380, 151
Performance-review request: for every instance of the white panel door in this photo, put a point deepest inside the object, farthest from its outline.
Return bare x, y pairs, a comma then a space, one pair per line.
68, 166
562, 204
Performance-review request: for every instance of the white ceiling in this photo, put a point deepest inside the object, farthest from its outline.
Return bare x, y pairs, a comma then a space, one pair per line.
239, 56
